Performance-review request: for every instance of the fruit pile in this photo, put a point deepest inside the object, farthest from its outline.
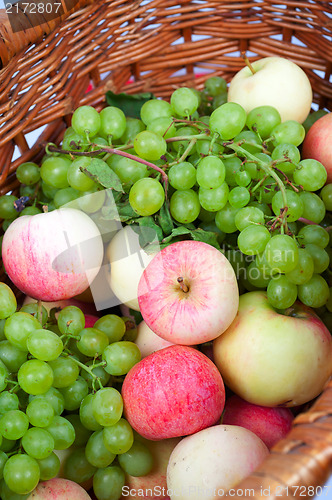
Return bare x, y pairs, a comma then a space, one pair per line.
204, 216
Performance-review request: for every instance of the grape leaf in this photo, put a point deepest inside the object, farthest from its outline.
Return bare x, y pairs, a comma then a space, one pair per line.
148, 231
165, 220
129, 103
198, 234
99, 171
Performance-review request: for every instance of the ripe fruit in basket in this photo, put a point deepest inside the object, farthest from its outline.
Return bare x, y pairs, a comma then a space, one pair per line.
211, 462
147, 341
269, 424
271, 357
188, 294
273, 81
173, 392
59, 489
317, 143
52, 256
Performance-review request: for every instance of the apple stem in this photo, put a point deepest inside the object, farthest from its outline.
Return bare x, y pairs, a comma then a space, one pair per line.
183, 286
248, 63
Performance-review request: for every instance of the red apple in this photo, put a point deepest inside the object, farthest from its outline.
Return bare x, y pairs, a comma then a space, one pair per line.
274, 358
173, 392
188, 294
52, 256
269, 424
317, 143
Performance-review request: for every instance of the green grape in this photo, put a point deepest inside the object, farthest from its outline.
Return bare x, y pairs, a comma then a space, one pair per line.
118, 438
146, 196
149, 145
303, 270
65, 371
96, 452
21, 473
252, 166
28, 173
182, 145
133, 127
281, 253
37, 443
82, 434
213, 200
281, 293
86, 414
253, 239
33, 309
242, 178
258, 275
129, 171
92, 200
121, 357
62, 432
211, 226
184, 206
263, 119
8, 401
249, 141
211, 172
108, 483
74, 393
294, 205
233, 166
228, 120
3, 460
225, 219
8, 303
290, 154
205, 215
3, 376
313, 234
204, 148
313, 207
2, 329
35, 377
28, 191
131, 329
98, 371
319, 256
54, 397
76, 178
219, 100
77, 468
12, 356
7, 207
8, 444
289, 131
49, 467
326, 196
30, 211
315, 292
112, 122
239, 197
14, 424
6, 223
107, 406
182, 176
73, 142
267, 190
310, 174
71, 320
155, 108
86, 120
112, 325
92, 342
44, 345
184, 101
53, 171
163, 125
215, 85
138, 461
48, 190
247, 216
40, 412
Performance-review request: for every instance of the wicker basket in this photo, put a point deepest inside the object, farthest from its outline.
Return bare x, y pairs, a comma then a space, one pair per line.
157, 46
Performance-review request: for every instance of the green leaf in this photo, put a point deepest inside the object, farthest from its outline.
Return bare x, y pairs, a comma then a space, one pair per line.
150, 234
129, 103
100, 172
209, 237
165, 220
178, 231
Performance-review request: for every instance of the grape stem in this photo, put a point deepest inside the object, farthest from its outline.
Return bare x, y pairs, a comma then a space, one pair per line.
87, 369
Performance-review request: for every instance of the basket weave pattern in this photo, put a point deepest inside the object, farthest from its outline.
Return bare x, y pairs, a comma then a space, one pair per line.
158, 46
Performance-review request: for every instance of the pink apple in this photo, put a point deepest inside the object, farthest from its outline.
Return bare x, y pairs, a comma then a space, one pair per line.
52, 256
271, 358
58, 489
173, 392
188, 294
147, 341
153, 485
269, 424
209, 463
317, 143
